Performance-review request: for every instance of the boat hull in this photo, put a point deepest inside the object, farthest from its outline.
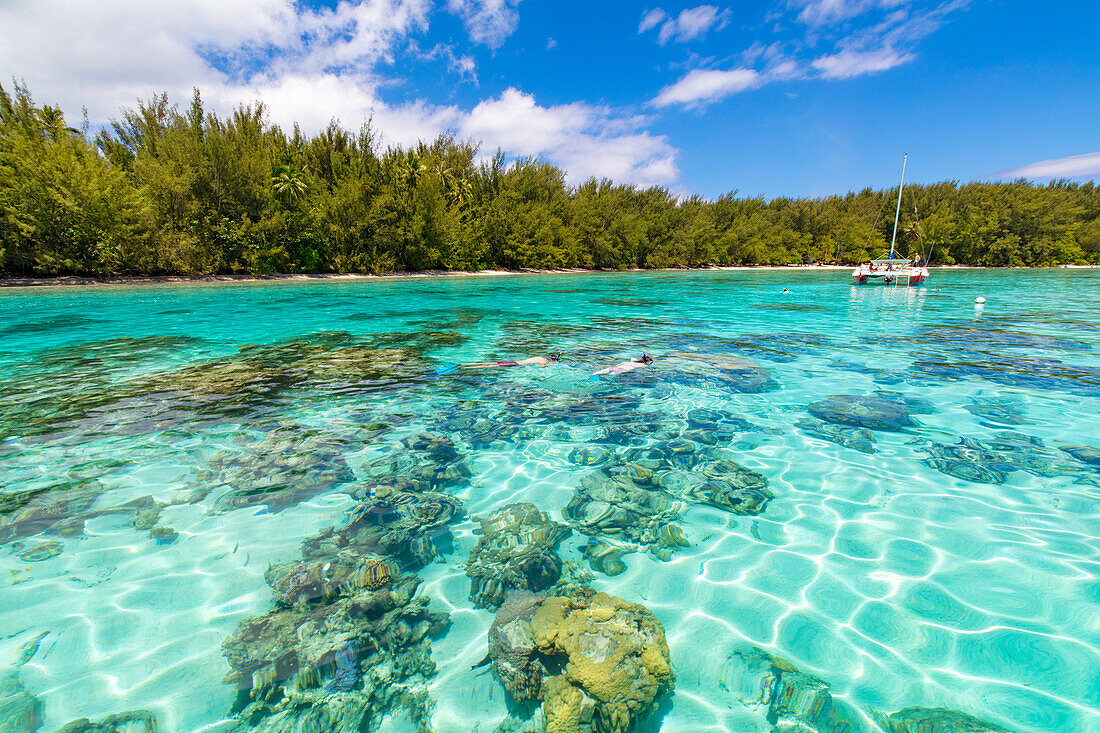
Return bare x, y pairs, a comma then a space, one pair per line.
908, 275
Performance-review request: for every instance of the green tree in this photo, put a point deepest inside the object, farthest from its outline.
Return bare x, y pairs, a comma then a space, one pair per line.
165, 189
288, 184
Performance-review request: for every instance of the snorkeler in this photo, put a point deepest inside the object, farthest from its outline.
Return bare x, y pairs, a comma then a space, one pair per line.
626, 366
532, 361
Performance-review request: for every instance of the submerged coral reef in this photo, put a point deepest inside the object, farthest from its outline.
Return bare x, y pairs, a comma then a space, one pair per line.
792, 701
774, 347
992, 340
57, 390
614, 660
997, 413
992, 460
349, 638
62, 511
512, 646
103, 387
879, 411
258, 373
597, 663
367, 633
135, 721
517, 550
424, 462
55, 510
20, 711
1086, 454
407, 526
856, 438
1015, 371
715, 370
637, 495
279, 469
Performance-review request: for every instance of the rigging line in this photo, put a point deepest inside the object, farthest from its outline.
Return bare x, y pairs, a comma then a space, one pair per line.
917, 226
871, 232
882, 206
897, 212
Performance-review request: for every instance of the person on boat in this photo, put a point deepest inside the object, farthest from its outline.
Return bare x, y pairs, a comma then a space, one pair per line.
626, 366
540, 361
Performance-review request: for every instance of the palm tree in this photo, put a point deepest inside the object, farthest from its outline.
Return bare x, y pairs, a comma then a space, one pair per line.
409, 171
462, 193
456, 190
52, 120
288, 184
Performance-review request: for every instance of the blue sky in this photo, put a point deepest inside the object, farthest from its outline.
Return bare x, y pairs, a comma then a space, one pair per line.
780, 97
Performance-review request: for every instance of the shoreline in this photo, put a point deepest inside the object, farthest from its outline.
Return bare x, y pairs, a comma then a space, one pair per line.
79, 280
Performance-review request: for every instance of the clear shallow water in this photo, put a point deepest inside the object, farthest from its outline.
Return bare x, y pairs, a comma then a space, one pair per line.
897, 564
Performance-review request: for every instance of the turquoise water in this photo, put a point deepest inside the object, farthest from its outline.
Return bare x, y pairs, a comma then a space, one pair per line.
931, 537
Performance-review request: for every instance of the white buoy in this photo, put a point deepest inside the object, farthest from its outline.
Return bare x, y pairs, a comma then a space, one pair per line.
979, 299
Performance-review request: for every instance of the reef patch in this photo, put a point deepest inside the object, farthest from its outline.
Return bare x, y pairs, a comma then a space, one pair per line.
517, 550
598, 663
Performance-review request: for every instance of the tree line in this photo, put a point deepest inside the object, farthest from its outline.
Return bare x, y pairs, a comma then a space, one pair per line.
165, 190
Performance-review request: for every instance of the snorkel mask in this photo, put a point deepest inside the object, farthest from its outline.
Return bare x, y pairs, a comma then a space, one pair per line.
645, 359
555, 357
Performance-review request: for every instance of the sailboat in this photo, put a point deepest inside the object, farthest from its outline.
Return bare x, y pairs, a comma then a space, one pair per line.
892, 270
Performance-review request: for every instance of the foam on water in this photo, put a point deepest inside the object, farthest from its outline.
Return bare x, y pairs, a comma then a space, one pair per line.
947, 559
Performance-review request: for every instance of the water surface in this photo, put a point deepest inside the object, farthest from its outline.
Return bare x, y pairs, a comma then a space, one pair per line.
932, 539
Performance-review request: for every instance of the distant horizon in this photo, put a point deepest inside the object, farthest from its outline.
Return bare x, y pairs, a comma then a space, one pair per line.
793, 99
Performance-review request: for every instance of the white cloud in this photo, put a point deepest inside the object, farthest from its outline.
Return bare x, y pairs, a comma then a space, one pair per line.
848, 63
825, 12
696, 22
585, 140
313, 100
409, 123
464, 66
308, 99
108, 54
703, 86
487, 21
690, 24
307, 67
1074, 166
516, 123
865, 47
651, 19
357, 33
886, 44
784, 68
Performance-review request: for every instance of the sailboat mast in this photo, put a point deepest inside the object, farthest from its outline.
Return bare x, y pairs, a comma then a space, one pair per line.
897, 213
